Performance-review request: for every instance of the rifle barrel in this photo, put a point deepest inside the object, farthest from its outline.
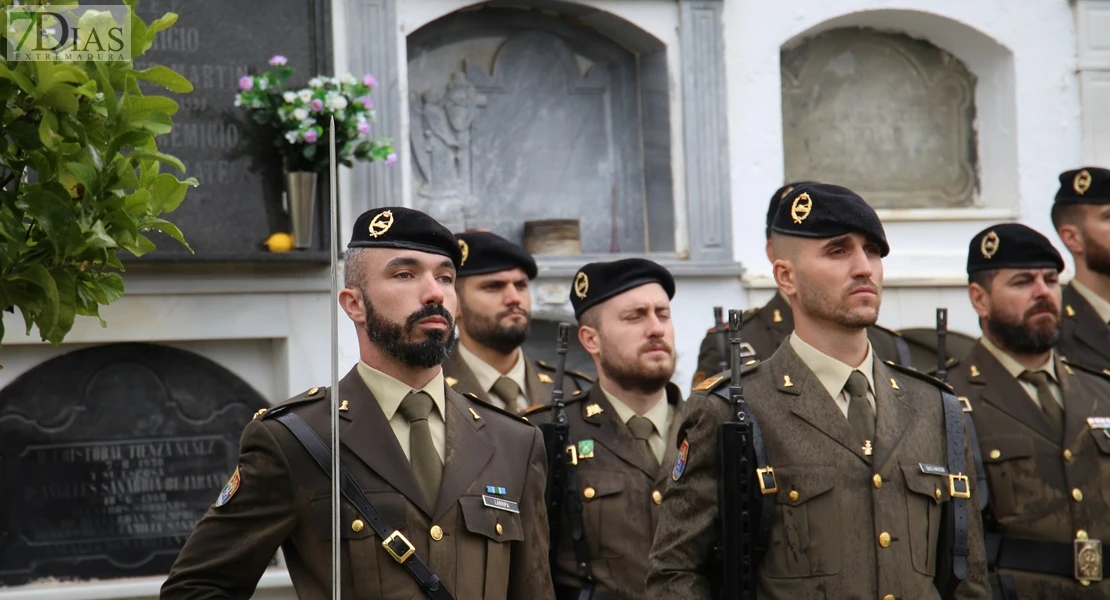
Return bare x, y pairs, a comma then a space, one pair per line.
942, 342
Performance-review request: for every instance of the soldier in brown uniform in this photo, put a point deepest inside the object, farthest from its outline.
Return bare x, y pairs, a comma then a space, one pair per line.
766, 327
623, 430
1042, 424
1081, 216
495, 313
863, 495
463, 482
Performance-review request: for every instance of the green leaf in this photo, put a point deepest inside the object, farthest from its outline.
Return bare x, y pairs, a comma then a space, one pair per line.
98, 237
173, 161
20, 79
111, 285
46, 317
169, 229
128, 140
167, 78
48, 128
168, 193
85, 174
66, 282
141, 106
164, 22
140, 246
52, 213
60, 99
155, 123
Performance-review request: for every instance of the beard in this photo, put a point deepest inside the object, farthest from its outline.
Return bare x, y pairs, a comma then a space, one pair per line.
489, 332
392, 337
1097, 257
825, 306
1019, 337
636, 376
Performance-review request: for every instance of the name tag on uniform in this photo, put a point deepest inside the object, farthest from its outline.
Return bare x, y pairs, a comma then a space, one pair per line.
933, 469
1098, 422
501, 504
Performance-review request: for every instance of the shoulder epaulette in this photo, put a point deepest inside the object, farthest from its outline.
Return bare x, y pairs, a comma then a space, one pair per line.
309, 395
919, 375
580, 375
1104, 373
711, 383
570, 372
478, 401
750, 314
886, 330
539, 408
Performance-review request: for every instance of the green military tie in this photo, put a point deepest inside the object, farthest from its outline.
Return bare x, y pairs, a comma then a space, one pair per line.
426, 465
1051, 408
642, 428
860, 415
508, 391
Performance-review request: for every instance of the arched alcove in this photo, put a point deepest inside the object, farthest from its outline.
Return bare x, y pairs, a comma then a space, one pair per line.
521, 115
966, 99
110, 455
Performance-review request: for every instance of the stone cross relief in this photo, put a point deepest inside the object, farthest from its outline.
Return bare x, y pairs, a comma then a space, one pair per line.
440, 137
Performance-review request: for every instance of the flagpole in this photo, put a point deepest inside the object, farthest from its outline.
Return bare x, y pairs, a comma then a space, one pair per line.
333, 212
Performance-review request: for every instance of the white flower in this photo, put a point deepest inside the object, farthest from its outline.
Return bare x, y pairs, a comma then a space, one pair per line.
300, 114
238, 100
335, 102
305, 95
291, 137
315, 82
290, 97
263, 83
349, 79
100, 96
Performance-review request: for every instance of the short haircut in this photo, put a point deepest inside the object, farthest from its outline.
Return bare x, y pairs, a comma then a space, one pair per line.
354, 268
591, 318
983, 278
1065, 214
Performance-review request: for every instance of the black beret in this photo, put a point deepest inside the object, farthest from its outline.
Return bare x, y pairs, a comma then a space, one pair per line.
1011, 246
1089, 185
773, 206
820, 210
399, 227
484, 252
599, 281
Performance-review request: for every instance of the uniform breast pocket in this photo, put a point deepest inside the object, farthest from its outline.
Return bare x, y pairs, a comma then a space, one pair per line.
1102, 442
1006, 458
604, 501
806, 534
925, 495
371, 572
491, 531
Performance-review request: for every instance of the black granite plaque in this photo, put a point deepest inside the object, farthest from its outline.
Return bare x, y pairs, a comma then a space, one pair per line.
108, 458
215, 42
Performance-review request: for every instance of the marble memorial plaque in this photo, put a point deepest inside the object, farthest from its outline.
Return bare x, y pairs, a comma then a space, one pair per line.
108, 458
885, 115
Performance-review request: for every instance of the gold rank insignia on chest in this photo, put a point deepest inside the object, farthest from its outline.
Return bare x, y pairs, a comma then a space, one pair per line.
593, 410
1088, 558
545, 378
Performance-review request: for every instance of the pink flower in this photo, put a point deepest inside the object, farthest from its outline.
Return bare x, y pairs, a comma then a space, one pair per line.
278, 60
311, 136
391, 160
367, 102
246, 82
317, 105
369, 80
364, 127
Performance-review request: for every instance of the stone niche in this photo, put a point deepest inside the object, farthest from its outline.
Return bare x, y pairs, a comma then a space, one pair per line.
886, 115
519, 115
109, 456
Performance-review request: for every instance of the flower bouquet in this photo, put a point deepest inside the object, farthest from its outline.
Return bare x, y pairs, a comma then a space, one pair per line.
300, 118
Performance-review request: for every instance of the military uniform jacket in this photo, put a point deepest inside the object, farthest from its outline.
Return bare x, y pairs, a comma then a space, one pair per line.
621, 492
1086, 338
764, 329
539, 377
846, 525
284, 499
1032, 474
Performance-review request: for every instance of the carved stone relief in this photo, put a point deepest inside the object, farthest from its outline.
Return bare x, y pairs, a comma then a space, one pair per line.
883, 114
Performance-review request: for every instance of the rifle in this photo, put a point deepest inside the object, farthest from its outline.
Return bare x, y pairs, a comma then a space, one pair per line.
736, 489
562, 475
721, 332
942, 339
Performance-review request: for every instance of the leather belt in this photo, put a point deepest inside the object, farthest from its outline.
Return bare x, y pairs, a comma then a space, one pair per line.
1036, 556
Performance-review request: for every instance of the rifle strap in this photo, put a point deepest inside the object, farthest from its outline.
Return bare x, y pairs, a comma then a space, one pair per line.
396, 544
902, 349
959, 489
977, 460
577, 529
767, 501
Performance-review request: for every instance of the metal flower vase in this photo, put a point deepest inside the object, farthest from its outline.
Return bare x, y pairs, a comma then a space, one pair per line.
300, 187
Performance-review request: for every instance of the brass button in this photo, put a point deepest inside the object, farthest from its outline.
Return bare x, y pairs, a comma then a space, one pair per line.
500, 530
884, 539
657, 497
1068, 456
357, 525
937, 493
589, 493
313, 391
996, 454
1081, 535
1078, 495
877, 480
794, 496
888, 597
436, 532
